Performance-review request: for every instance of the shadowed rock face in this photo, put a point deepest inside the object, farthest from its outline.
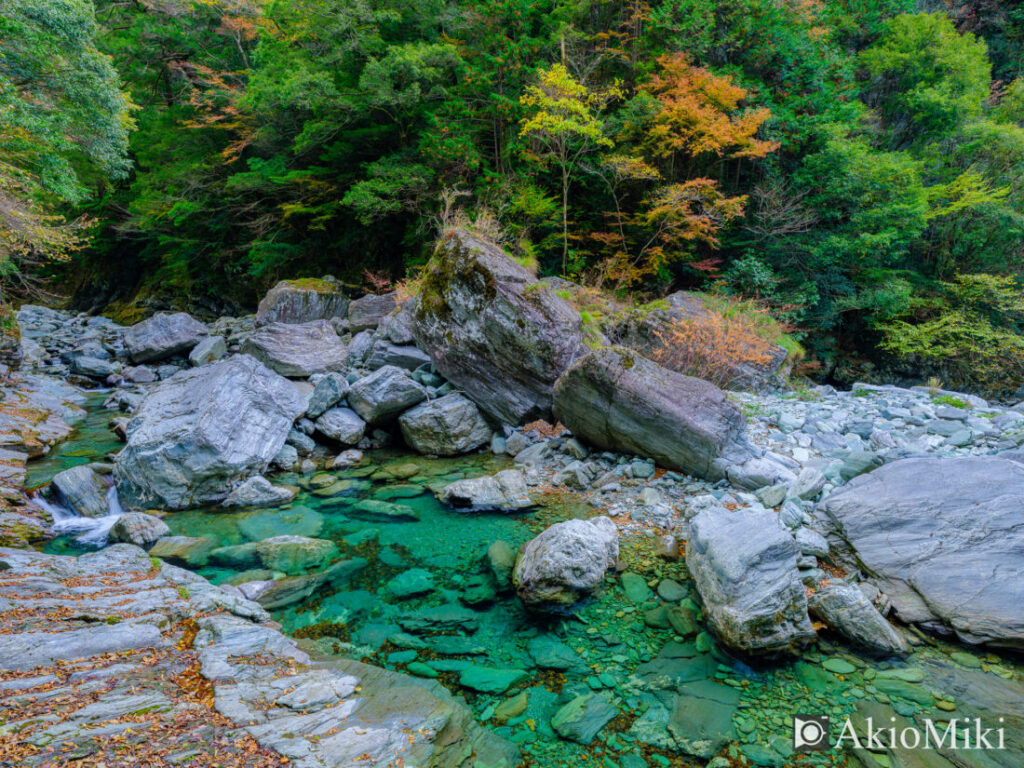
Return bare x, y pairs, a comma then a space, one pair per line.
198, 433
942, 538
493, 330
617, 400
744, 566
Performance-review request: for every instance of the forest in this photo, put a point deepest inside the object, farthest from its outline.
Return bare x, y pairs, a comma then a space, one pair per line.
852, 168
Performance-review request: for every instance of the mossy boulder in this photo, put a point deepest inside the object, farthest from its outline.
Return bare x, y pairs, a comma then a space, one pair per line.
302, 301
492, 330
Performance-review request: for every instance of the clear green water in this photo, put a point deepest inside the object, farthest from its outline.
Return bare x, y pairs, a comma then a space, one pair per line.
618, 651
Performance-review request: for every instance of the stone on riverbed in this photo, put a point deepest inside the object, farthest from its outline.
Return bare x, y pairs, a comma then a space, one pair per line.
382, 512
163, 335
298, 351
368, 312
565, 563
329, 389
582, 718
447, 426
845, 609
342, 425
942, 538
503, 492
491, 680
295, 554
81, 490
138, 528
619, 401
301, 301
199, 432
744, 567
493, 330
384, 394
186, 551
209, 349
257, 491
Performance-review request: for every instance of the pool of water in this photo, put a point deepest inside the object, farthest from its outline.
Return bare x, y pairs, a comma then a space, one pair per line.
425, 603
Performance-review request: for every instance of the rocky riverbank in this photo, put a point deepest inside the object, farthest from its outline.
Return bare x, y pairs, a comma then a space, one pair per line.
667, 573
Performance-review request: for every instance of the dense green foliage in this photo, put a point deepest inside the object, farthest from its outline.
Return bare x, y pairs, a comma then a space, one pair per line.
854, 165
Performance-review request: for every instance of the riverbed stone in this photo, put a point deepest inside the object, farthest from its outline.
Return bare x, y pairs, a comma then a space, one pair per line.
163, 335
744, 565
384, 394
329, 389
295, 554
207, 350
617, 400
846, 610
504, 491
298, 350
301, 301
81, 490
565, 563
257, 491
186, 551
583, 718
341, 425
493, 330
490, 679
447, 426
139, 529
199, 432
941, 538
369, 311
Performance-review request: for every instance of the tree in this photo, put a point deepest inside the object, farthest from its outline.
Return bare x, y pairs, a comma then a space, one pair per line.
564, 126
63, 123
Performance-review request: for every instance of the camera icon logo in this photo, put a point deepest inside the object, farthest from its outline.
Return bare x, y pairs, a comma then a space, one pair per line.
810, 733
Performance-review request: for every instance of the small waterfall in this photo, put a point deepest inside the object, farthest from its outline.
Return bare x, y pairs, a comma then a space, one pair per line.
92, 531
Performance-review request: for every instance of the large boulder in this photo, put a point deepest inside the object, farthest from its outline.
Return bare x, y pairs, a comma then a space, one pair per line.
503, 492
683, 319
744, 567
447, 426
300, 301
163, 335
202, 431
342, 425
942, 538
139, 529
493, 330
384, 394
298, 350
565, 563
619, 401
81, 490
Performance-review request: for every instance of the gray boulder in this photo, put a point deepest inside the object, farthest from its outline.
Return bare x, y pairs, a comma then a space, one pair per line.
342, 425
368, 312
493, 330
942, 538
257, 491
163, 335
298, 350
848, 611
200, 432
408, 357
504, 492
93, 367
651, 332
565, 563
301, 301
209, 349
744, 565
384, 394
296, 554
447, 426
329, 389
81, 490
619, 401
139, 529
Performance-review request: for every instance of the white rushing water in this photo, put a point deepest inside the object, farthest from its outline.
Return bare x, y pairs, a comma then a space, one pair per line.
93, 530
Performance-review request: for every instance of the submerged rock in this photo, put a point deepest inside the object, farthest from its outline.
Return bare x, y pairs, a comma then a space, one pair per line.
744, 565
301, 301
299, 350
81, 490
186, 551
845, 609
203, 430
295, 554
447, 426
582, 718
162, 336
617, 400
494, 330
503, 492
942, 538
565, 563
257, 491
